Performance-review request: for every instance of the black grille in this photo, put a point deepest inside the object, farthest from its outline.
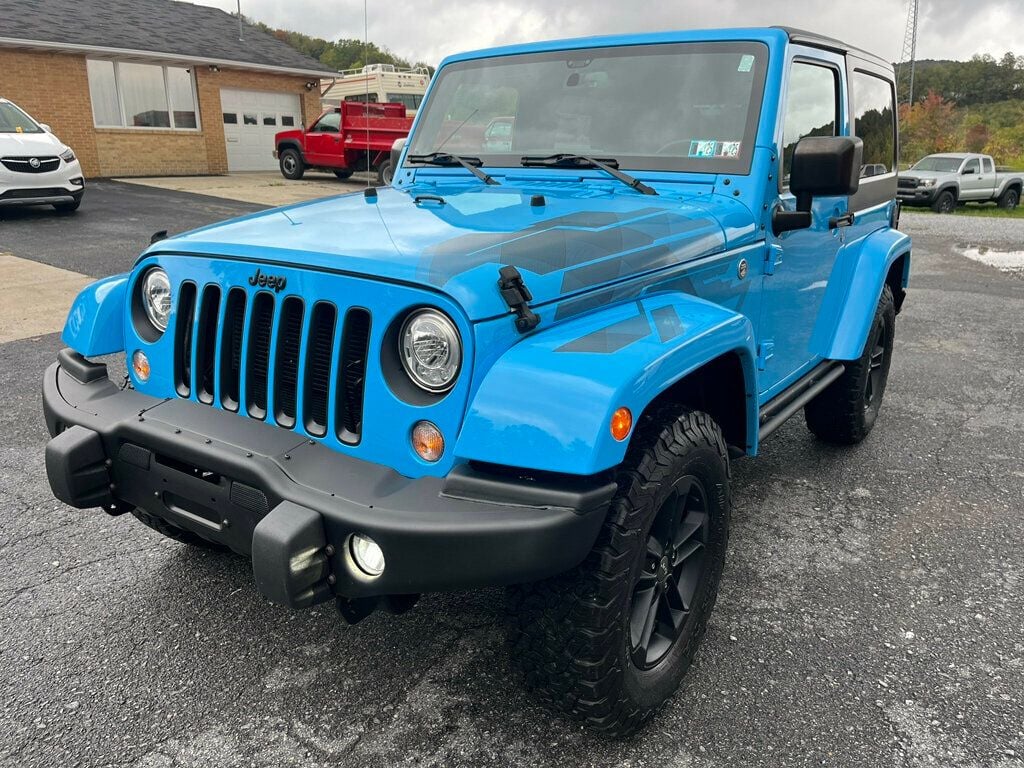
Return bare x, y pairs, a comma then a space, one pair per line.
352, 375
906, 183
26, 194
248, 353
25, 164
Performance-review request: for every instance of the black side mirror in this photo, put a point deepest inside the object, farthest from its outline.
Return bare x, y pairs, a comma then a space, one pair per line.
823, 166
396, 152
967, 171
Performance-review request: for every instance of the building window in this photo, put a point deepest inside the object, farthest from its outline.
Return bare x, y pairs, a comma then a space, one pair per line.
874, 121
287, 120
130, 95
230, 118
249, 118
269, 120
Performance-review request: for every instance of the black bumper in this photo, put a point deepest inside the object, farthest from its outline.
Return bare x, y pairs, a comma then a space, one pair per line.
292, 504
920, 196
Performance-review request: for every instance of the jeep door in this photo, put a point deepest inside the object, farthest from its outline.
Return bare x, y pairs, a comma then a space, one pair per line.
801, 261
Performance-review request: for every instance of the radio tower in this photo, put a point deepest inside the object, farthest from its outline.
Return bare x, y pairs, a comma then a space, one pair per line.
905, 67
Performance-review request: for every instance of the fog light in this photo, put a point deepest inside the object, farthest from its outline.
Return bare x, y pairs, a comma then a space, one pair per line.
366, 554
140, 365
622, 422
427, 441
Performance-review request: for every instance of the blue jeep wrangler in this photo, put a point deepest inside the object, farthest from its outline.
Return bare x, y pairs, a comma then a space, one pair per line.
606, 268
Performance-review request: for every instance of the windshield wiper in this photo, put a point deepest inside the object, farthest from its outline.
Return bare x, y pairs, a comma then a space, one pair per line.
447, 158
566, 160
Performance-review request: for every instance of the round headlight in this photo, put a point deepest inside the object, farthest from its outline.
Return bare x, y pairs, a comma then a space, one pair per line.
156, 297
431, 350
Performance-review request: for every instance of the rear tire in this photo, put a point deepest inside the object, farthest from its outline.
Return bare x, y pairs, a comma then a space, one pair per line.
292, 165
1009, 199
846, 410
385, 174
609, 641
172, 531
945, 202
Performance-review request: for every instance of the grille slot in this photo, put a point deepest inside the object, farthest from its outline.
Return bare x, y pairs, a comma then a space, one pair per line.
258, 357
231, 350
183, 326
318, 368
286, 373
352, 375
206, 344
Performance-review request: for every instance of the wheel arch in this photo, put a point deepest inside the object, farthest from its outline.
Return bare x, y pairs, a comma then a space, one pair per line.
862, 270
547, 403
289, 144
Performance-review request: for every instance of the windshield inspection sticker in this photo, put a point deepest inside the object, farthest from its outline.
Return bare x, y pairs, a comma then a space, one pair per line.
728, 149
703, 148
746, 63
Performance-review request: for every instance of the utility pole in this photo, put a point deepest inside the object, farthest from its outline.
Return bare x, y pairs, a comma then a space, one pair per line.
909, 54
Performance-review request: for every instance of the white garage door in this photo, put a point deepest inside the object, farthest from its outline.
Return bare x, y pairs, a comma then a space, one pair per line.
251, 118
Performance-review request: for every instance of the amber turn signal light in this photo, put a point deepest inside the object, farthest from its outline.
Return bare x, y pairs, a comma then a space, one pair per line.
622, 422
427, 441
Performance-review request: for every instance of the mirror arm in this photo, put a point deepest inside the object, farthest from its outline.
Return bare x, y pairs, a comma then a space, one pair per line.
787, 221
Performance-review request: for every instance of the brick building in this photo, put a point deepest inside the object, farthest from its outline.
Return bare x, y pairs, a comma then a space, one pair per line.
154, 87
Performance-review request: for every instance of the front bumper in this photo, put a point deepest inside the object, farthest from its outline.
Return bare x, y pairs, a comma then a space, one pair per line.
292, 505
66, 184
917, 196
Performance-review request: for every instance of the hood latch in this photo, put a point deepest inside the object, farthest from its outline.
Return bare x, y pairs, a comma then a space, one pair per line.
517, 296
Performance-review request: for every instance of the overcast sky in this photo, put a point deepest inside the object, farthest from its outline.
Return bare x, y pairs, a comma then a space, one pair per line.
428, 30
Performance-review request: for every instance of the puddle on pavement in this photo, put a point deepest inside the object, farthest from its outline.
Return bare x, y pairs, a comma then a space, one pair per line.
1005, 261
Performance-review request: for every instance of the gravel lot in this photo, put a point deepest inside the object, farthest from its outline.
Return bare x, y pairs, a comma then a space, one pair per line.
872, 611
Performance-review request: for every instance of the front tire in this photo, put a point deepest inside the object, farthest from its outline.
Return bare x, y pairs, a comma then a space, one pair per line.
847, 409
610, 641
1009, 199
945, 202
292, 165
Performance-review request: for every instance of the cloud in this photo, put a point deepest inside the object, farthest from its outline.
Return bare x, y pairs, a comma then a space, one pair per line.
427, 30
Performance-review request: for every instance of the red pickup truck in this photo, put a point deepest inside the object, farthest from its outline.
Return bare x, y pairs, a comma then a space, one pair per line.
352, 137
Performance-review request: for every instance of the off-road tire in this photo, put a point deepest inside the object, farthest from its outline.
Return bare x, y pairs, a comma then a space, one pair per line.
292, 165
570, 634
343, 174
172, 531
385, 174
1009, 199
945, 202
846, 410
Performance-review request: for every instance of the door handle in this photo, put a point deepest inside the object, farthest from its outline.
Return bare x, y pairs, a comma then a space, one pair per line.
846, 220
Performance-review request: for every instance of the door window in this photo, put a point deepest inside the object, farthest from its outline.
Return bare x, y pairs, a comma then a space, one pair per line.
874, 121
973, 166
812, 108
329, 123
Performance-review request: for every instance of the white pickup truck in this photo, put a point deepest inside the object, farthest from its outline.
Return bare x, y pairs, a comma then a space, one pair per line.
942, 181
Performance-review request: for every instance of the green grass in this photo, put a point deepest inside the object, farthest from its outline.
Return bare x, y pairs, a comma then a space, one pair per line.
975, 209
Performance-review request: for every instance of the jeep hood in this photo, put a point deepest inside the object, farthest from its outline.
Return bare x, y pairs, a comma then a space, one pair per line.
455, 239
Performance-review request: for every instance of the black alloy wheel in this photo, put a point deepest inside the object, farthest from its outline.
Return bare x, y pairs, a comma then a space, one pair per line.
673, 572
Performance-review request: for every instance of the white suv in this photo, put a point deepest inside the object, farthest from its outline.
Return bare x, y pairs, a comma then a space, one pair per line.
35, 167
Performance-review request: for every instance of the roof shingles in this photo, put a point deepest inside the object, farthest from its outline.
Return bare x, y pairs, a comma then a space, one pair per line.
157, 26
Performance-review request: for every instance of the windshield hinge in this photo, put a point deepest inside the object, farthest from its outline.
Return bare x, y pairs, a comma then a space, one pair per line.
517, 296
772, 258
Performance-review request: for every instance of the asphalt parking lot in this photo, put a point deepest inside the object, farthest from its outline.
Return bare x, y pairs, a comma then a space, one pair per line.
872, 610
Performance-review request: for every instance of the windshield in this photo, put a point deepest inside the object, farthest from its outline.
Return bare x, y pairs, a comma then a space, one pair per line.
13, 120
678, 107
940, 164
